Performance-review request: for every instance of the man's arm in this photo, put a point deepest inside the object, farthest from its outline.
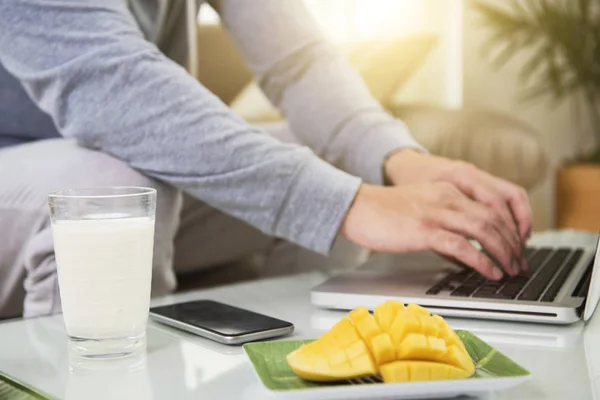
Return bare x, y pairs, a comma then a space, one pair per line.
330, 109
324, 100
86, 64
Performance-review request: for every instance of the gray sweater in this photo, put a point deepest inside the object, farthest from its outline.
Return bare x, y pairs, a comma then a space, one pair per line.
101, 71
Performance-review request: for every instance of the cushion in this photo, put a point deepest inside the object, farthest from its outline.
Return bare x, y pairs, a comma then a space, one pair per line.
493, 141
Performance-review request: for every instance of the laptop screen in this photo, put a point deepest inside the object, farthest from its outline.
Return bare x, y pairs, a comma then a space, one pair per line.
594, 291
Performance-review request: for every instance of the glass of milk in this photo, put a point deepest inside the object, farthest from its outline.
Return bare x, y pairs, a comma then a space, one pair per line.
103, 243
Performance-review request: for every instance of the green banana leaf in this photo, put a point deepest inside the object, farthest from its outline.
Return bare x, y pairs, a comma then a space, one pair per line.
269, 361
12, 389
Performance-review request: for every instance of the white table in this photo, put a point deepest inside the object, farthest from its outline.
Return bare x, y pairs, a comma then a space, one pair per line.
564, 360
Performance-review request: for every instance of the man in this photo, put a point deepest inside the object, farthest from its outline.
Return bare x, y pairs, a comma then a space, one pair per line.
101, 71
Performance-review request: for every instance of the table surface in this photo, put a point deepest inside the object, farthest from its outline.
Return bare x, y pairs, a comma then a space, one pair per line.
564, 360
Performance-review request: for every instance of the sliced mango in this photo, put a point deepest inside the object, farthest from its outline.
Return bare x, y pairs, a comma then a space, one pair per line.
414, 371
428, 326
386, 312
417, 310
459, 358
379, 343
382, 348
447, 333
365, 323
420, 347
404, 324
403, 344
338, 354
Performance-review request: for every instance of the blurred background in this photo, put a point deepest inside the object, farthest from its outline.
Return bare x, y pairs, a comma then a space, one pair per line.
509, 85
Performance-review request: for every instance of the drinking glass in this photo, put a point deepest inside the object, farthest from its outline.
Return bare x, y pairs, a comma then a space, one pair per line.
103, 243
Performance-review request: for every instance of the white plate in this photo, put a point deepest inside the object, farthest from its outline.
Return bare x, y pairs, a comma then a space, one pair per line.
396, 391
494, 372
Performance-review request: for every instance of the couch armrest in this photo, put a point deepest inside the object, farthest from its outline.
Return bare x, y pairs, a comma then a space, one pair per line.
494, 142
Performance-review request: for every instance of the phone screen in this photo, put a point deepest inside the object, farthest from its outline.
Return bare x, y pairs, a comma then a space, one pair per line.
219, 318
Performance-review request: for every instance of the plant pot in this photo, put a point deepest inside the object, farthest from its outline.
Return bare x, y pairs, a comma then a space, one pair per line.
578, 197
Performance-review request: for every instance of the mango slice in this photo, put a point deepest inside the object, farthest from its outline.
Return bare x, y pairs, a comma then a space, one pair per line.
379, 343
338, 354
382, 348
414, 371
447, 333
386, 312
402, 343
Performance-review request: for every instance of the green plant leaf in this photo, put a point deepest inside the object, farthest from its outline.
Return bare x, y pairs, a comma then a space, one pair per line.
505, 54
12, 389
583, 7
269, 361
518, 7
559, 38
533, 65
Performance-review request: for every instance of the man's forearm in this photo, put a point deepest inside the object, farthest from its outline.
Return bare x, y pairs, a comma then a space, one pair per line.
87, 65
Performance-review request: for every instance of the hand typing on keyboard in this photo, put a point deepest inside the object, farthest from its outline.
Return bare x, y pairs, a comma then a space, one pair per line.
505, 199
438, 204
433, 216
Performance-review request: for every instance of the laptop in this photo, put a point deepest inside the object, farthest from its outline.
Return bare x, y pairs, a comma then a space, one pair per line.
561, 286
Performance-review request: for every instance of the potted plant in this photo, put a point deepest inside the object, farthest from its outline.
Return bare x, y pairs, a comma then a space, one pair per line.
560, 40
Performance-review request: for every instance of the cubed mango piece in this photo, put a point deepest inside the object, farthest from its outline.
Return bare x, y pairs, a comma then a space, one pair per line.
382, 348
415, 371
403, 344
338, 354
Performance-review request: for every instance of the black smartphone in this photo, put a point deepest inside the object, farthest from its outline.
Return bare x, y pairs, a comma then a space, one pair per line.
220, 322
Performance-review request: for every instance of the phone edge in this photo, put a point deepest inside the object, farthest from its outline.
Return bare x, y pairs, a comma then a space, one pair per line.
227, 340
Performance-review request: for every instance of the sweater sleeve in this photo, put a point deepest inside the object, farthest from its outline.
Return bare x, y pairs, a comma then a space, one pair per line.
323, 98
87, 65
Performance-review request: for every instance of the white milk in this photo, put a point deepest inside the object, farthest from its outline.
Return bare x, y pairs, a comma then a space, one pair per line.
104, 273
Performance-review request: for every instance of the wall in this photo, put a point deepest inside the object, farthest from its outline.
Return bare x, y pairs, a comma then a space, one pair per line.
486, 87
351, 20
440, 80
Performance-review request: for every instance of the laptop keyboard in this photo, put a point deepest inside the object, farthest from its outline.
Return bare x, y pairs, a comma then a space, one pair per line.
549, 268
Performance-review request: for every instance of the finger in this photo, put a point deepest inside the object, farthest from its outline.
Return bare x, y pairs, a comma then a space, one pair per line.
489, 215
521, 208
450, 244
492, 192
484, 215
471, 225
482, 189
514, 197
513, 230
